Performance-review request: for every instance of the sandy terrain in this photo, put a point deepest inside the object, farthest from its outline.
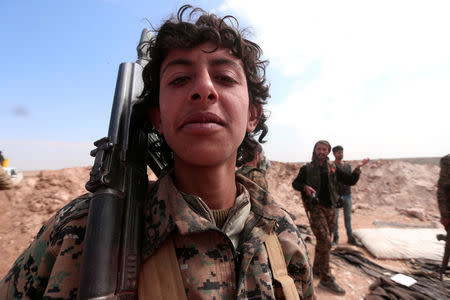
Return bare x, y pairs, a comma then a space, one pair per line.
389, 190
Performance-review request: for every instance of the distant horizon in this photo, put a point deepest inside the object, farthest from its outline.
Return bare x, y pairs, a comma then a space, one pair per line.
53, 155
434, 160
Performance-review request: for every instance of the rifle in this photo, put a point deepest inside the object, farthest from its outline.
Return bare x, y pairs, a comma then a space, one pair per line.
308, 203
119, 181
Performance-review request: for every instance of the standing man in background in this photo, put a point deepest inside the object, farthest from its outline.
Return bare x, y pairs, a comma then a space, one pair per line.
443, 192
443, 197
345, 199
317, 181
251, 169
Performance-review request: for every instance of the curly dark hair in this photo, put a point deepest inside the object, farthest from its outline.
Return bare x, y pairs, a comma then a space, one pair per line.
176, 32
254, 148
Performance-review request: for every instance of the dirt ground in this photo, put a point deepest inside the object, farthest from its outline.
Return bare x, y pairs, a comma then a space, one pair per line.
388, 190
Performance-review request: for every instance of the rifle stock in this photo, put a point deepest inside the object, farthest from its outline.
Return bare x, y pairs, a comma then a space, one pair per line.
119, 181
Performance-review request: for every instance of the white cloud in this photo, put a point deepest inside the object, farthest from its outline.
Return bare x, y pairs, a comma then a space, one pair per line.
383, 83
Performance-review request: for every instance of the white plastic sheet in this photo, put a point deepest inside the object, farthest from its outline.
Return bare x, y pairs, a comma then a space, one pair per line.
402, 243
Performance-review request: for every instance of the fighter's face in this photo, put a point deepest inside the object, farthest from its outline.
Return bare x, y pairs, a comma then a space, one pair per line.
321, 151
338, 155
204, 105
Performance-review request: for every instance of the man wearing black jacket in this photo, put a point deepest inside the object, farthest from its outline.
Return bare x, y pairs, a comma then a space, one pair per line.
317, 181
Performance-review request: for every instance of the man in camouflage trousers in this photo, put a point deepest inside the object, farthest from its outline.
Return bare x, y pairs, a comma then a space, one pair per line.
443, 192
205, 89
317, 182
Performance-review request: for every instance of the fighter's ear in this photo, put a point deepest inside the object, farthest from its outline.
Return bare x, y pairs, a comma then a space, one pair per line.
155, 117
254, 113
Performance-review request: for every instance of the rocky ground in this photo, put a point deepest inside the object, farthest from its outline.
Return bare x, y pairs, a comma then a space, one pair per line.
389, 190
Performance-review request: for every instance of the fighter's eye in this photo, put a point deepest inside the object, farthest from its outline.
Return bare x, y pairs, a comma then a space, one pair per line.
226, 79
178, 80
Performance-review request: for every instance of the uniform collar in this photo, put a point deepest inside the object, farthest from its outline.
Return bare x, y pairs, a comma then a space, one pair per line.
166, 210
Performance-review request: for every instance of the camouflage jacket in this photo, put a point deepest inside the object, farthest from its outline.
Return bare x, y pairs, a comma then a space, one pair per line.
443, 191
254, 174
211, 267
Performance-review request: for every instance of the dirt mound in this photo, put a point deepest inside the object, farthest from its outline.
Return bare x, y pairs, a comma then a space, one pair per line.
24, 208
394, 185
390, 190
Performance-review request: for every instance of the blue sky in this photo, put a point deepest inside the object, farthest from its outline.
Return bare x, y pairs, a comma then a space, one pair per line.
373, 76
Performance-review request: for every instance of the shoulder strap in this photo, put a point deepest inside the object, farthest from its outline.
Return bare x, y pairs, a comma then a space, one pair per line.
278, 266
160, 276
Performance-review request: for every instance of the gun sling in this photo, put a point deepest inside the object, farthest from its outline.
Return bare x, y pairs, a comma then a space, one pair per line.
160, 276
278, 266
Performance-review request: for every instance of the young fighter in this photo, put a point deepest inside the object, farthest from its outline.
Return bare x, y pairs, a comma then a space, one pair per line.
205, 88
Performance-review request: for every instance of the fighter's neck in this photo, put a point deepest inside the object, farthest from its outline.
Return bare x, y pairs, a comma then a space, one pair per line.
216, 186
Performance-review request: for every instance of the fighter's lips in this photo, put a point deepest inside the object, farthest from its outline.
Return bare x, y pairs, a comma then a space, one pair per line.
202, 118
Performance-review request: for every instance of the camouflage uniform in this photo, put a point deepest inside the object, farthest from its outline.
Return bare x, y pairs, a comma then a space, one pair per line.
254, 174
443, 192
322, 215
322, 221
214, 265
264, 164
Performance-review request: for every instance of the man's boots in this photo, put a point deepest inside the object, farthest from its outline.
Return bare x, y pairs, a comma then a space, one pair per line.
332, 286
335, 241
353, 241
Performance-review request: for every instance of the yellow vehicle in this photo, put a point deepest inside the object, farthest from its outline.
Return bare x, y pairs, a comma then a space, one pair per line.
9, 176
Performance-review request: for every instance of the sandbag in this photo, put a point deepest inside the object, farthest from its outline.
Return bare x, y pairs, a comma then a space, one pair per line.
402, 243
